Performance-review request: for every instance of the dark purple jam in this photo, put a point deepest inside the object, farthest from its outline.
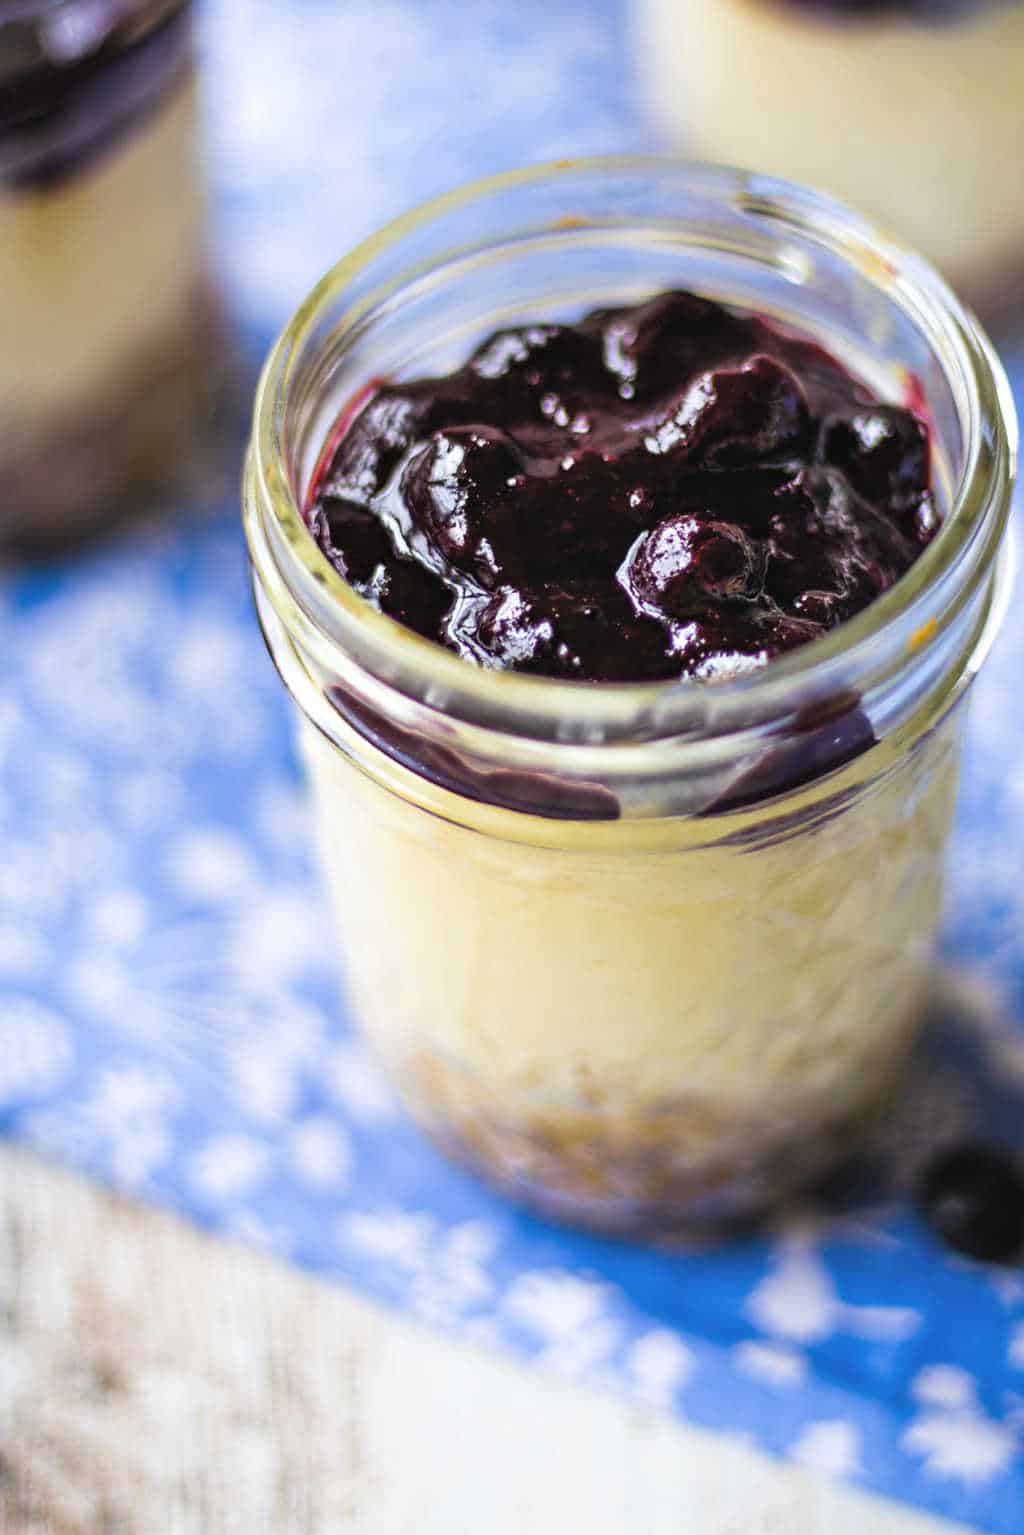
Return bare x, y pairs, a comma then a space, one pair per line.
76, 77
673, 489
918, 10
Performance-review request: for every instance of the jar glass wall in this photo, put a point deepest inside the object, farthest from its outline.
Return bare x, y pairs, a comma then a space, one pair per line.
643, 954
105, 312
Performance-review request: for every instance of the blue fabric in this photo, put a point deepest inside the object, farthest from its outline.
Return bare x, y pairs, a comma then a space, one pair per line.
169, 1013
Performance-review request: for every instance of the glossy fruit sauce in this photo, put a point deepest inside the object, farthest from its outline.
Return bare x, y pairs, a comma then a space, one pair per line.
671, 489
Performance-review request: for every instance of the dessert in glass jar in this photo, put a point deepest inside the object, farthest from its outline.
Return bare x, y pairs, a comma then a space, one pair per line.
627, 534
900, 107
105, 316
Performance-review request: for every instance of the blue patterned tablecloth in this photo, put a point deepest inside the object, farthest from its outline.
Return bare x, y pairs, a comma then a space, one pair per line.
169, 1011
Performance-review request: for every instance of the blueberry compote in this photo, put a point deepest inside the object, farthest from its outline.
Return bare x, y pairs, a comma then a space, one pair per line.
925, 10
664, 490
75, 77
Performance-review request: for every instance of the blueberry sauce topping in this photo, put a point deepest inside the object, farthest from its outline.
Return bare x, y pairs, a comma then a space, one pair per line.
76, 77
917, 10
973, 1197
664, 490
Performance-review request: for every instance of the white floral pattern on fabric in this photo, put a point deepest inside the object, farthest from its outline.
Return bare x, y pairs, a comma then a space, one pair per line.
1016, 1349
833, 1448
659, 1365
797, 1301
952, 1433
442, 1272
320, 1152
35, 1050
567, 1320
229, 1167
170, 1014
771, 1363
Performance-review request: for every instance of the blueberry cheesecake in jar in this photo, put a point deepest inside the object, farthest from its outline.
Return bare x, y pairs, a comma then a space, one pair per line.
627, 534
105, 317
903, 108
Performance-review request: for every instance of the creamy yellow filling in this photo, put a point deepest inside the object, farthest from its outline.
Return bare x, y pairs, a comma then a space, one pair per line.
98, 270
912, 122
630, 965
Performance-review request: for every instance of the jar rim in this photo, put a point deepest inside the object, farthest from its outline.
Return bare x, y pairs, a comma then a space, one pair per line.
310, 594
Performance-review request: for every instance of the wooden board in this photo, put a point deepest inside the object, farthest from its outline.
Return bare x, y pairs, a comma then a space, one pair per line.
154, 1381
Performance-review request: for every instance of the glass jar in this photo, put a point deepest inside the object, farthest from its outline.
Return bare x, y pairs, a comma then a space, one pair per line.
644, 955
106, 327
902, 108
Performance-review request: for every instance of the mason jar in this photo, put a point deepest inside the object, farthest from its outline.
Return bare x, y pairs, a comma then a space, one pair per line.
901, 107
645, 955
106, 322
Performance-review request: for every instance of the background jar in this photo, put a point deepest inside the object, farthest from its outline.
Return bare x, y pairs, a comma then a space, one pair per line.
643, 954
900, 108
106, 337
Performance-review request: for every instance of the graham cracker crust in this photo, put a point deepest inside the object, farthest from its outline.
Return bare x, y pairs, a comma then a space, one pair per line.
687, 1165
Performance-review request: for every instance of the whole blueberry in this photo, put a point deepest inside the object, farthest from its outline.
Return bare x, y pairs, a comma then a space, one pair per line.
972, 1195
883, 451
540, 372
372, 446
650, 347
463, 488
685, 562
573, 633
729, 416
352, 537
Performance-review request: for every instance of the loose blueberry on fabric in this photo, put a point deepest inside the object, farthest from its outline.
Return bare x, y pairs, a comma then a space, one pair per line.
972, 1196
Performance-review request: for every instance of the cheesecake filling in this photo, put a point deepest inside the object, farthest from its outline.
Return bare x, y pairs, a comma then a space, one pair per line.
898, 109
637, 1025
105, 315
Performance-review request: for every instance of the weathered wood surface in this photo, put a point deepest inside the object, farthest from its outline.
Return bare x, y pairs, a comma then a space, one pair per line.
156, 1382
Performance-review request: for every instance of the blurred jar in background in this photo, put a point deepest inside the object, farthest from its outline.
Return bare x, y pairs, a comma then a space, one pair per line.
903, 108
105, 334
